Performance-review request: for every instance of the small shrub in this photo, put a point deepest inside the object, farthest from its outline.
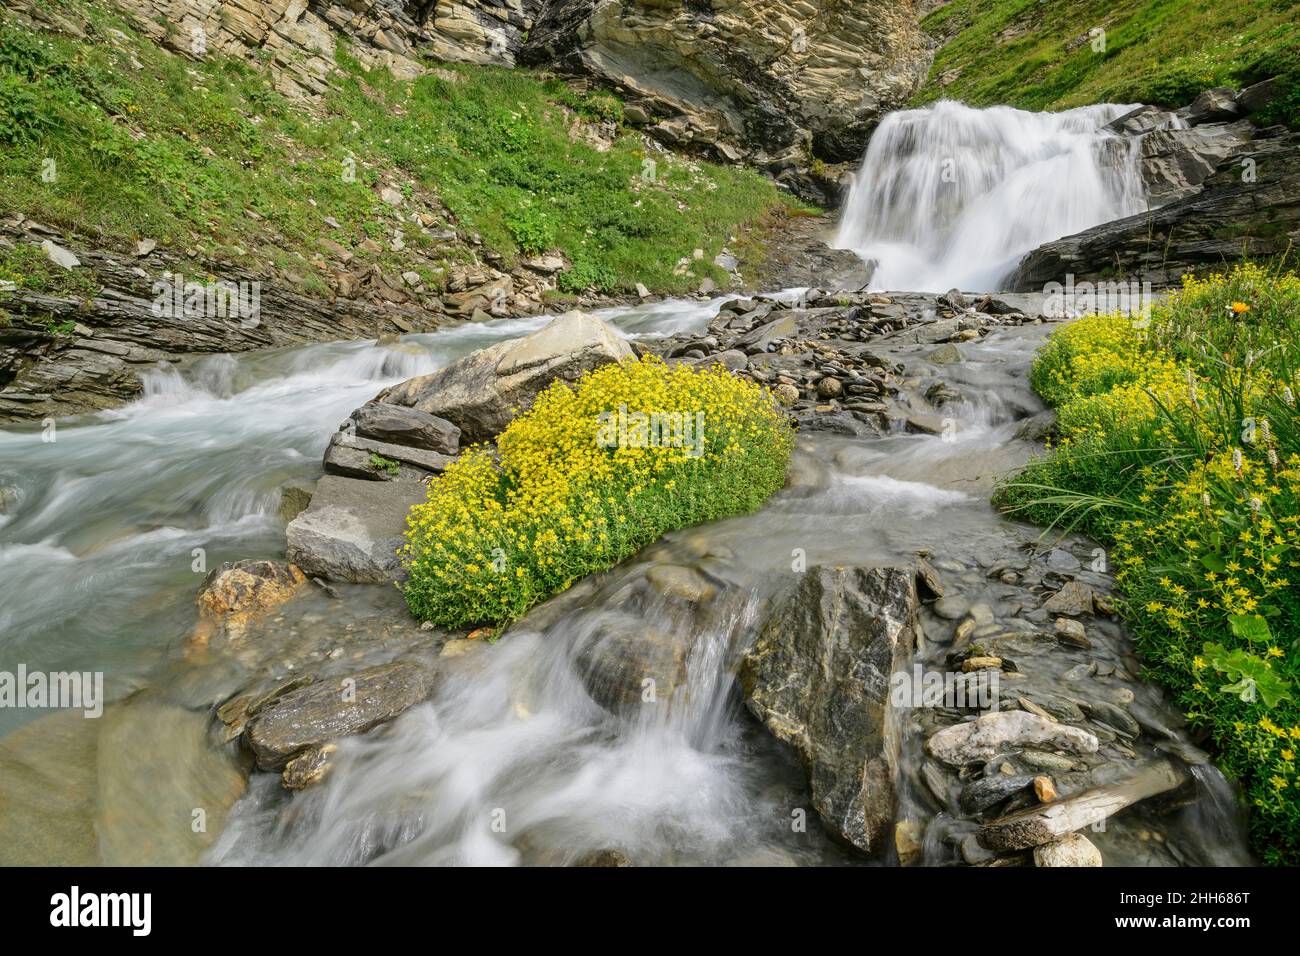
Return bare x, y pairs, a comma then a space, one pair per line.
586, 275
532, 230
387, 465
570, 493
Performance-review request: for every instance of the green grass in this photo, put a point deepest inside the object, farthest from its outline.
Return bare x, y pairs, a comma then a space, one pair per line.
27, 267
1179, 449
1038, 54
206, 157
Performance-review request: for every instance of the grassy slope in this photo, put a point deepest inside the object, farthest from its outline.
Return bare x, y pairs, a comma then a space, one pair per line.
147, 144
1038, 54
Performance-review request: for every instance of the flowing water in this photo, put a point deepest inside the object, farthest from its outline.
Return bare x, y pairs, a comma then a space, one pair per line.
532, 750
527, 753
951, 196
119, 515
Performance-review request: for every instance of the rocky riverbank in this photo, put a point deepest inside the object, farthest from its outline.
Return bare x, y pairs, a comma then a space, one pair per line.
66, 353
1058, 732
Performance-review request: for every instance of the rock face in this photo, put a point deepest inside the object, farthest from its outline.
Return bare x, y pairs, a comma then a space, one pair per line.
818, 678
296, 38
765, 79
483, 391
1222, 190
1175, 162
353, 528
314, 715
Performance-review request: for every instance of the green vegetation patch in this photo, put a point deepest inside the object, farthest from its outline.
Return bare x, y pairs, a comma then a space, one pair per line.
1179, 448
589, 475
119, 140
1049, 54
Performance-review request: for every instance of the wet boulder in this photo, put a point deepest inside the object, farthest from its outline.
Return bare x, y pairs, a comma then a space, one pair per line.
818, 678
628, 664
483, 391
233, 594
980, 739
308, 718
1074, 598
295, 496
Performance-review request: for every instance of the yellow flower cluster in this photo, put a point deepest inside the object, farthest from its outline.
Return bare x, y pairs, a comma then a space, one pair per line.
587, 476
1179, 443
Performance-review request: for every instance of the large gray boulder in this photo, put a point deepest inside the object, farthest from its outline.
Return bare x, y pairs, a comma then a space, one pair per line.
483, 391
818, 678
353, 528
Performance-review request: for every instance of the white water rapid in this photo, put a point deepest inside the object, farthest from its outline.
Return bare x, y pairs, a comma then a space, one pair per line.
544, 748
951, 196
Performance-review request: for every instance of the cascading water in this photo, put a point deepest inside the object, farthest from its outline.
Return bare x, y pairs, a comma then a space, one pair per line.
531, 750
950, 196
98, 558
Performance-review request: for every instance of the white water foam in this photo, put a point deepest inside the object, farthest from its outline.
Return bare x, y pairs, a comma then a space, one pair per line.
951, 196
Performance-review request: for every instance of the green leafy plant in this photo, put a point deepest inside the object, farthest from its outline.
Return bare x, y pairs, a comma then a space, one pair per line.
387, 465
1252, 677
569, 494
151, 144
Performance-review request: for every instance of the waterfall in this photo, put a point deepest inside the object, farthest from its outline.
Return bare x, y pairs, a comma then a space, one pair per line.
950, 196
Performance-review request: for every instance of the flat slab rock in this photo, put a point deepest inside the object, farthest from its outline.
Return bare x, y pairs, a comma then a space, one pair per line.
410, 427
818, 678
352, 529
335, 707
353, 457
481, 392
985, 736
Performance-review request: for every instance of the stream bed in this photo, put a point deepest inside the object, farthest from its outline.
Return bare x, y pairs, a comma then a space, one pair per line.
525, 754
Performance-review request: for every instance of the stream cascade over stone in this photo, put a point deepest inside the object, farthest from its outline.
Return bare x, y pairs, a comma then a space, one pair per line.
726, 696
